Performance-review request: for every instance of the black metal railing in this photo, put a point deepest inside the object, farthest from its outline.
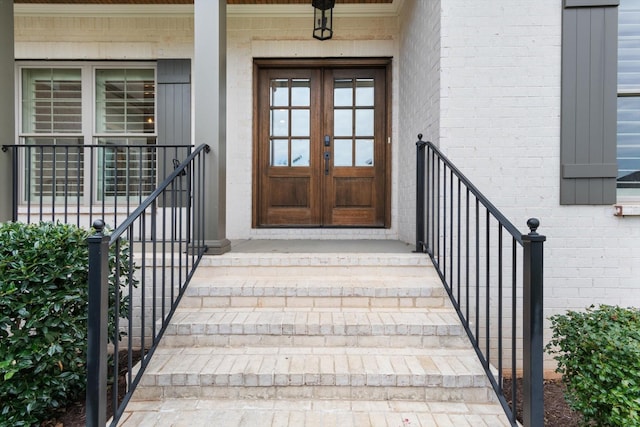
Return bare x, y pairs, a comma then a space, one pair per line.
493, 274
137, 276
78, 183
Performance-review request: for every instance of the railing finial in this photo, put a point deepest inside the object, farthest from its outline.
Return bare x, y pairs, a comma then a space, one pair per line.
419, 137
98, 225
533, 224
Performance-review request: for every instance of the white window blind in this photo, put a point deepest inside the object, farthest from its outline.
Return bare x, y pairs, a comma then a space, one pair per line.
125, 116
51, 101
52, 115
125, 101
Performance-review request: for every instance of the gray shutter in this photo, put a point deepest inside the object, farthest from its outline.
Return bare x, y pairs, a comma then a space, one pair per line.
174, 101
589, 102
173, 98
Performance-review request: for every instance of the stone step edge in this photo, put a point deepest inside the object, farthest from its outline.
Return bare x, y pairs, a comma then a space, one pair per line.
296, 322
317, 260
419, 394
277, 366
384, 276
314, 302
315, 412
374, 341
351, 278
196, 290
296, 330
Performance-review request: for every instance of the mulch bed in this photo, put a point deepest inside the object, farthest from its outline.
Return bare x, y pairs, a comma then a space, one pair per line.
556, 411
74, 415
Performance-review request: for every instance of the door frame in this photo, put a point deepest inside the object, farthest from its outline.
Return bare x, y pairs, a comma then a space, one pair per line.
336, 63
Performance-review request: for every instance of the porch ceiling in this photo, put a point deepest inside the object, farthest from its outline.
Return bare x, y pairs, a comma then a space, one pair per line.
244, 8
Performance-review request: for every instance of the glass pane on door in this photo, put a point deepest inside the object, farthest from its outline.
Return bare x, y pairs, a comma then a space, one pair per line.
342, 153
279, 152
364, 93
353, 122
343, 93
290, 122
300, 152
364, 152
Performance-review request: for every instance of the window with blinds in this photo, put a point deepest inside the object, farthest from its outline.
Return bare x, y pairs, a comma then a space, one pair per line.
125, 116
125, 101
63, 108
52, 116
629, 98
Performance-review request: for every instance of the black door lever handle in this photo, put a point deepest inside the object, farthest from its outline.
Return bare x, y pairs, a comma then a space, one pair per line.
327, 158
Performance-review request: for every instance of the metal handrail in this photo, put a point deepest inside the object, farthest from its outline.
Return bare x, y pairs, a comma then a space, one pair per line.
472, 261
170, 223
62, 182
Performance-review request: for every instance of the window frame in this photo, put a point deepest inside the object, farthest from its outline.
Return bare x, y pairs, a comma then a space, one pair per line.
626, 193
89, 134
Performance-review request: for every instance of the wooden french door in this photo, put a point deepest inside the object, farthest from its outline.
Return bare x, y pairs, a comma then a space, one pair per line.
321, 146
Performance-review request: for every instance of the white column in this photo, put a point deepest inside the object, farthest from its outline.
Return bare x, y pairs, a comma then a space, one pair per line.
210, 114
7, 106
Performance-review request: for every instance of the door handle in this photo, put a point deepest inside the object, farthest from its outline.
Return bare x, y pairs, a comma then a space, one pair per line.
327, 158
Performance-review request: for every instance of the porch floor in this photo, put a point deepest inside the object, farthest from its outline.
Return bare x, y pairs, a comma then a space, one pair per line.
315, 333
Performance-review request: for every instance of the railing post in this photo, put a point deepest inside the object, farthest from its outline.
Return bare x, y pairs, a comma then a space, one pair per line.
97, 327
533, 402
420, 193
10, 173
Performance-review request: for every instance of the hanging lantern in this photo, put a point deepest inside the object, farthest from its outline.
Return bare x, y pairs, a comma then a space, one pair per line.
323, 18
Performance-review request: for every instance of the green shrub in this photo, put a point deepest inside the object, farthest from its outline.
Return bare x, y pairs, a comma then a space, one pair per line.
598, 355
43, 318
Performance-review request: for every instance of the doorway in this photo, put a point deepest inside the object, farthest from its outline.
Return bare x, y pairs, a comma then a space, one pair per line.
321, 151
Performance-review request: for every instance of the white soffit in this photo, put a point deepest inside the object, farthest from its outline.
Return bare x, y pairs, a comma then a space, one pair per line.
276, 10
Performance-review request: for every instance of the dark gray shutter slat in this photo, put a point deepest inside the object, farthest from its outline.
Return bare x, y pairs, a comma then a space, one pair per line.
173, 98
590, 3
588, 136
568, 102
590, 170
173, 95
174, 71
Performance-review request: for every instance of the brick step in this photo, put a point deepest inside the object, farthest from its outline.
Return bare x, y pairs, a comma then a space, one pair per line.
401, 327
312, 413
316, 339
209, 283
372, 261
311, 372
314, 290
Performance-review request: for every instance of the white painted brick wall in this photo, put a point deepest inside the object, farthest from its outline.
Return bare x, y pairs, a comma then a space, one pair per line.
419, 105
500, 124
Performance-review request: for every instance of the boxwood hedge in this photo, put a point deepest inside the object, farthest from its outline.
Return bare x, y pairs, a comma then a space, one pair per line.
43, 319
